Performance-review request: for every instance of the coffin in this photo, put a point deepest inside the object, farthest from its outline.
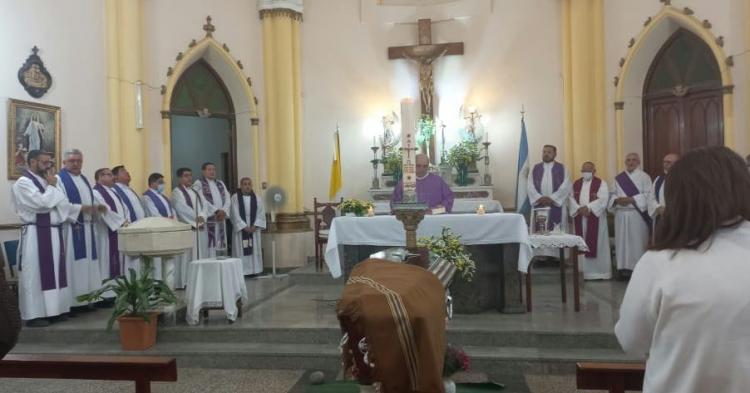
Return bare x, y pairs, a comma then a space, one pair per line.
155, 236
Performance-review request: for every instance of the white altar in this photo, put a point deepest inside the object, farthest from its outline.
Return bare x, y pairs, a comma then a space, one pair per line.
497, 228
466, 199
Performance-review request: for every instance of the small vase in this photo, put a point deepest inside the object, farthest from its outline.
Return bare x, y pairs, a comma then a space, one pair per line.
463, 175
449, 386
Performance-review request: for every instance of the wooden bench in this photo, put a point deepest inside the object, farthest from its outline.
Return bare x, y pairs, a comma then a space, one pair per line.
613, 377
141, 369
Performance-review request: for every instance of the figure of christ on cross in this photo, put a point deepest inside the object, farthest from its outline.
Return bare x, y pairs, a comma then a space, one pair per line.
425, 53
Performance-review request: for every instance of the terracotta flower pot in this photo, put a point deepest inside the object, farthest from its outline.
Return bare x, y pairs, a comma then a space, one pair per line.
137, 334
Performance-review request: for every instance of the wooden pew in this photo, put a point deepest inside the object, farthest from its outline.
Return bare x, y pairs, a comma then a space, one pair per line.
613, 377
141, 369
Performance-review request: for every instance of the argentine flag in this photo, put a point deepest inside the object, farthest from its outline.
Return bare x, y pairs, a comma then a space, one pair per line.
522, 199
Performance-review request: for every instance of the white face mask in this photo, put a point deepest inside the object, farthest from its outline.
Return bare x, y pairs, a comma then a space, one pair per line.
160, 188
587, 175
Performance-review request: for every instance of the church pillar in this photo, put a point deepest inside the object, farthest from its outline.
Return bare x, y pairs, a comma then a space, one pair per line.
584, 85
283, 106
127, 144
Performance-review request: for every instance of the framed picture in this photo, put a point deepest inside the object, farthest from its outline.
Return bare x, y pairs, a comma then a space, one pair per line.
31, 126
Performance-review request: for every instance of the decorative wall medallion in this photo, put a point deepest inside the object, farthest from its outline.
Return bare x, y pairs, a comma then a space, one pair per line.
33, 76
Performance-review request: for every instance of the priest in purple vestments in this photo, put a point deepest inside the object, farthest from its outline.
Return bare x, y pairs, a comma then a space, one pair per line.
431, 188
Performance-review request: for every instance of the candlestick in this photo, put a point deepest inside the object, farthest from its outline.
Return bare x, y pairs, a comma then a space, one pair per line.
487, 175
375, 162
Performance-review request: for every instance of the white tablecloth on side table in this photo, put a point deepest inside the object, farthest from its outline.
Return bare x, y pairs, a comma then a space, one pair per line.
215, 283
564, 240
495, 228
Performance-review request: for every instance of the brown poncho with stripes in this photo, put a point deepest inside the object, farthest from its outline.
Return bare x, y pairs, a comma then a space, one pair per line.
400, 311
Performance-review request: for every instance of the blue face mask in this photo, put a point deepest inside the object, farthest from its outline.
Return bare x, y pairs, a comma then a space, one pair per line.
160, 188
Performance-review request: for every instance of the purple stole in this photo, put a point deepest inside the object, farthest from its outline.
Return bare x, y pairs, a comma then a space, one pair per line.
253, 214
631, 190
44, 246
78, 230
124, 198
558, 177
592, 221
657, 188
163, 210
114, 253
205, 186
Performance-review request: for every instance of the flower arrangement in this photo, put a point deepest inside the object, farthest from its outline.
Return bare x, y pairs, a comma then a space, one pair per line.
448, 246
463, 154
456, 360
356, 206
425, 129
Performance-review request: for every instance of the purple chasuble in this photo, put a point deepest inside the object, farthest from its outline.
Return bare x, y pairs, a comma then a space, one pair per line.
631, 190
558, 177
44, 246
211, 224
253, 214
431, 190
114, 253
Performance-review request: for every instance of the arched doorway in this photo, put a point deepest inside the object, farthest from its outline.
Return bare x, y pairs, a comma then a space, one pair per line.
682, 100
203, 123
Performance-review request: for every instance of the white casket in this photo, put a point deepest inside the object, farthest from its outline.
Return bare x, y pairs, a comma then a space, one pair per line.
155, 236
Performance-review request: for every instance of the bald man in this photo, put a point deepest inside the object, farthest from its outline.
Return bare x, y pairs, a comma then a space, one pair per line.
656, 196
431, 188
630, 206
588, 207
248, 218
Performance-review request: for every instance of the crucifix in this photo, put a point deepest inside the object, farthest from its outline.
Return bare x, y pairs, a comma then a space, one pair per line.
425, 53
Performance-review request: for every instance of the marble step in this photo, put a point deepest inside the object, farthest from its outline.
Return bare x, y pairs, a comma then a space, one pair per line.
184, 335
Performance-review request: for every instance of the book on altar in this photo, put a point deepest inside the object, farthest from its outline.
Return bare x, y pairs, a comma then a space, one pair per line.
438, 210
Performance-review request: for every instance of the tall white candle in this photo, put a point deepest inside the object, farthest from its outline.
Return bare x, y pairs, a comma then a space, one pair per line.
408, 145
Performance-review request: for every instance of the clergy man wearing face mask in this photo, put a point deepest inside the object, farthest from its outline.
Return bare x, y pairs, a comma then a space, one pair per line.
588, 207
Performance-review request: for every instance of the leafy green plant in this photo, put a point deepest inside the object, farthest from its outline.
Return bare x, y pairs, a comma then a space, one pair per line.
463, 154
356, 206
135, 296
448, 246
393, 162
425, 129
455, 360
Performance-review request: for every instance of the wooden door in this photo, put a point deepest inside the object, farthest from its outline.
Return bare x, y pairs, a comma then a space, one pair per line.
682, 100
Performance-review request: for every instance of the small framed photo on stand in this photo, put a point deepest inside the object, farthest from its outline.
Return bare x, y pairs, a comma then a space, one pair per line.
539, 223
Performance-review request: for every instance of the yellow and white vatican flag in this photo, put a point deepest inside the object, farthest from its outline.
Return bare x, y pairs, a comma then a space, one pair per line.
336, 180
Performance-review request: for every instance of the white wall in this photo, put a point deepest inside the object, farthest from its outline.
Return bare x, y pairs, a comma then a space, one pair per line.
70, 36
512, 58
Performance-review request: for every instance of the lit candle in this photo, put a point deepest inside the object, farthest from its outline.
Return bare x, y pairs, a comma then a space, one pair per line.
370, 211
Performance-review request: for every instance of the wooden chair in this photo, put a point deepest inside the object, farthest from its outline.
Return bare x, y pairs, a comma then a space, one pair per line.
141, 369
612, 377
10, 255
323, 213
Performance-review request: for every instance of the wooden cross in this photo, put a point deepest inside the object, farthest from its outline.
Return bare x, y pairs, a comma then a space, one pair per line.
425, 53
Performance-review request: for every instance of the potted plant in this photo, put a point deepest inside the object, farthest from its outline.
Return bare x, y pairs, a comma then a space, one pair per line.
461, 156
392, 165
455, 360
136, 300
425, 132
356, 207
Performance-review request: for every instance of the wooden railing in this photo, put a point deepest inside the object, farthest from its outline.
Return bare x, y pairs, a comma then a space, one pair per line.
612, 377
141, 369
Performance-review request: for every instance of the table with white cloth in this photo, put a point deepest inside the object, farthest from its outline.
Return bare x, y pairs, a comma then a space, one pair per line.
499, 244
459, 206
559, 241
213, 284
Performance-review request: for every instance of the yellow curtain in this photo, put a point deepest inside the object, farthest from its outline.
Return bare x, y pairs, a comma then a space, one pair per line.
283, 103
584, 84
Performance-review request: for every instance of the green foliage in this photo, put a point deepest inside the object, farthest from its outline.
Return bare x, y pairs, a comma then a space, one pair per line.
393, 161
463, 154
448, 246
425, 129
134, 296
356, 206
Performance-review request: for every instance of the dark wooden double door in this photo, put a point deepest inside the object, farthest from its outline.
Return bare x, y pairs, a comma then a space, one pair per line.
683, 101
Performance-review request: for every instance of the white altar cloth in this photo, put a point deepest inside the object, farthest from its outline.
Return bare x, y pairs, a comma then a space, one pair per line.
215, 283
459, 206
495, 228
